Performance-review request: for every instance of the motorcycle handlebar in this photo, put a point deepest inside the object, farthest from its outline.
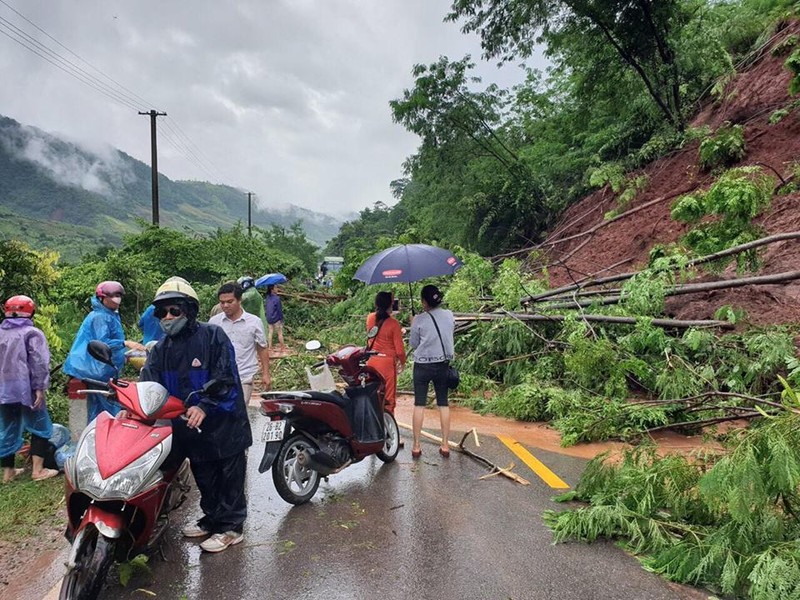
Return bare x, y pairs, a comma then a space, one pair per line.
318, 364
95, 382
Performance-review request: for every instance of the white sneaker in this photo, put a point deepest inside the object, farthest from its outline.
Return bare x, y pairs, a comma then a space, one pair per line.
219, 541
194, 531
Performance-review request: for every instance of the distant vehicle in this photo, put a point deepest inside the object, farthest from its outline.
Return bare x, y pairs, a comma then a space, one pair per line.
331, 265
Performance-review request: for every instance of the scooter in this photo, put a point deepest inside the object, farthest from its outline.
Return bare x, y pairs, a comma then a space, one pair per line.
118, 490
312, 434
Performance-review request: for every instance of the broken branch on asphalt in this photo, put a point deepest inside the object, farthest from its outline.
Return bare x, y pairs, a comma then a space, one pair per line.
461, 448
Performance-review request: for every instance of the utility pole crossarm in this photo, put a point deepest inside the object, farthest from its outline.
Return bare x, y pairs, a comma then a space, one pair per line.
154, 159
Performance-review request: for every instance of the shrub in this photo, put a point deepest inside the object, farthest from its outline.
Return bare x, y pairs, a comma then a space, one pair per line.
726, 147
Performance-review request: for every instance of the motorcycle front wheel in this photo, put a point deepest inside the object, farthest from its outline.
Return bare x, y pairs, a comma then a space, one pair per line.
95, 554
392, 445
295, 483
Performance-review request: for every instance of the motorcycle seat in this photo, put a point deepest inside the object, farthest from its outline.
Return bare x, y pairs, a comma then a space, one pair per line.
334, 397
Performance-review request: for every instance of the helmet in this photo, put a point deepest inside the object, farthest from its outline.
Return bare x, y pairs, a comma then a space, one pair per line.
19, 306
176, 288
108, 288
246, 282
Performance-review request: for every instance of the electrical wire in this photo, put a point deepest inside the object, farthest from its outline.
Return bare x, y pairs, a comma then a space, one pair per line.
116, 92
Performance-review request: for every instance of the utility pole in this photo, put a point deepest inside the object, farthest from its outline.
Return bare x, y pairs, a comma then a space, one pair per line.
154, 159
249, 214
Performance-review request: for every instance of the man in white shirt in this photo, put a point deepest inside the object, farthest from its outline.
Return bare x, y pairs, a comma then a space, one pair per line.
246, 333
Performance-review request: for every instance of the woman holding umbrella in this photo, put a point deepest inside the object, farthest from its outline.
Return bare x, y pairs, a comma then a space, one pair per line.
389, 342
432, 340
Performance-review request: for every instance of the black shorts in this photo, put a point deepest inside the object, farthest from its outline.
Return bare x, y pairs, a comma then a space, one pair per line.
425, 373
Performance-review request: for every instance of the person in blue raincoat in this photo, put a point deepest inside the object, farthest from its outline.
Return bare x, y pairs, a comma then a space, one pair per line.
24, 379
150, 326
105, 325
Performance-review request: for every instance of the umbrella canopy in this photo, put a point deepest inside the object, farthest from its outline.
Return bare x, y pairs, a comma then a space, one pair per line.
407, 263
271, 279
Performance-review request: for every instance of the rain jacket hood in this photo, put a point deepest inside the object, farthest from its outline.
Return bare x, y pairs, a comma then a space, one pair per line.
24, 361
101, 324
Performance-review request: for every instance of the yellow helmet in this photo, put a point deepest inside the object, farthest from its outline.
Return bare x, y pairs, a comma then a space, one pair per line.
176, 288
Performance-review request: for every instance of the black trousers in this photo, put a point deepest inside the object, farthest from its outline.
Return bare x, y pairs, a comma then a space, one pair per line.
425, 374
222, 498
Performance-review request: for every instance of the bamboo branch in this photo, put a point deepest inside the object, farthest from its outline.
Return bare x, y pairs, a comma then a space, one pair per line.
694, 262
690, 288
676, 323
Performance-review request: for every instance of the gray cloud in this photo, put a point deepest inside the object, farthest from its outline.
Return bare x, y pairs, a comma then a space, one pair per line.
287, 98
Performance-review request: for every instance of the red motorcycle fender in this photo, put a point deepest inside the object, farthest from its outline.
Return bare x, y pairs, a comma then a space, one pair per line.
108, 524
270, 452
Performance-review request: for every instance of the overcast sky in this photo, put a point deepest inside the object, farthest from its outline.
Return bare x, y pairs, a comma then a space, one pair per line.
285, 98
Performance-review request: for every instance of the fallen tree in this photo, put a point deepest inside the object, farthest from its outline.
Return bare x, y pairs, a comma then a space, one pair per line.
690, 288
590, 282
676, 323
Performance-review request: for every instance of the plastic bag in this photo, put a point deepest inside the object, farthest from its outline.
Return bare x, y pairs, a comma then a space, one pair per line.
321, 381
63, 453
60, 436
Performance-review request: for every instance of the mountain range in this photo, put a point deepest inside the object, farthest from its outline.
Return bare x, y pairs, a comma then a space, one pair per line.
58, 194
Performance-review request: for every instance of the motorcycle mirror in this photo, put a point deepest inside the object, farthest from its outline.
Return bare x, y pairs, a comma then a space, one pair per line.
372, 332
313, 345
100, 351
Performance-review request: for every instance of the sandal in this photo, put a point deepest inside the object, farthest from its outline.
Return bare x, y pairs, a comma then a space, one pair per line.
45, 474
15, 474
416, 453
445, 453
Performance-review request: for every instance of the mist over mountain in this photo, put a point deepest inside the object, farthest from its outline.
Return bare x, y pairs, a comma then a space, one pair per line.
63, 195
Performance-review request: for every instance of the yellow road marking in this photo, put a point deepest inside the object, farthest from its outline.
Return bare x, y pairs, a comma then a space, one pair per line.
550, 478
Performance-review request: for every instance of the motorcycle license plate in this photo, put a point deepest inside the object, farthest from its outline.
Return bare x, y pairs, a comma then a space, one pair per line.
273, 431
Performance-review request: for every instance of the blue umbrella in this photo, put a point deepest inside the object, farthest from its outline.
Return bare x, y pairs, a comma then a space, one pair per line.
271, 279
407, 263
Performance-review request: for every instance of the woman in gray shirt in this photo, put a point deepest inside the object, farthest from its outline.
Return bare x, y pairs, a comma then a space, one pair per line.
433, 351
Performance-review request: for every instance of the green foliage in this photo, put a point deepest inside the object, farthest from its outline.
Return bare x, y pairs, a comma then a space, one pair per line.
723, 149
594, 364
527, 401
727, 523
24, 270
470, 283
730, 314
734, 200
128, 569
793, 64
777, 116
511, 284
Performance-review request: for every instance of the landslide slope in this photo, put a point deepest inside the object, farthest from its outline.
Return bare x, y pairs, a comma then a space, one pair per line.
749, 99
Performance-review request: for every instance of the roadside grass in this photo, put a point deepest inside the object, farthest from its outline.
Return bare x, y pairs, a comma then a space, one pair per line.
25, 505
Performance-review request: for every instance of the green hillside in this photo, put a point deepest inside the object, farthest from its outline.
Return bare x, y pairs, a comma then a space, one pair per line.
58, 195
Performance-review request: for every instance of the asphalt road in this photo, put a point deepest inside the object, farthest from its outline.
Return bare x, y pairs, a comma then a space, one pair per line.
427, 529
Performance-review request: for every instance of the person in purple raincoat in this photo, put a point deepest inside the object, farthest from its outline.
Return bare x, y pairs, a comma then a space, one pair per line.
24, 378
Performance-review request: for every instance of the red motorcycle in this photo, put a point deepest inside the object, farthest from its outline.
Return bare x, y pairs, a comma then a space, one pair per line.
313, 434
119, 487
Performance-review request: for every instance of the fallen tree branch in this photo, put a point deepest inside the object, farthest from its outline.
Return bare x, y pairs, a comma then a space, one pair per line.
676, 323
694, 262
690, 288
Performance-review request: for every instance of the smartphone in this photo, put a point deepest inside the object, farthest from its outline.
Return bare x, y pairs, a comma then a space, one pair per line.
395, 305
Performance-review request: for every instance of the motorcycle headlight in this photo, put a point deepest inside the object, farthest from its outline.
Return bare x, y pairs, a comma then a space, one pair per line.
122, 484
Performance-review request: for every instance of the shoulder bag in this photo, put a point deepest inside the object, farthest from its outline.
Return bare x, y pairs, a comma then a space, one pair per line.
453, 378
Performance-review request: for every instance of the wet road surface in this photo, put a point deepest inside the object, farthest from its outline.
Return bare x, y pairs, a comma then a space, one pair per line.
427, 529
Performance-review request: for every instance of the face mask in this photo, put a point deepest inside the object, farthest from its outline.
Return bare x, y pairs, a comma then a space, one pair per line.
173, 327
117, 300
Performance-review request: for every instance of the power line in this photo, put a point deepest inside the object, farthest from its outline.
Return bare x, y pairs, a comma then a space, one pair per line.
86, 81
117, 92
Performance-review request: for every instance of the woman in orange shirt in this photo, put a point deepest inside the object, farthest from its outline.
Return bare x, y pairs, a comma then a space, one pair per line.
389, 342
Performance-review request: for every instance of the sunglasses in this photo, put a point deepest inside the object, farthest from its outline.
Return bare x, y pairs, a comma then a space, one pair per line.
161, 312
